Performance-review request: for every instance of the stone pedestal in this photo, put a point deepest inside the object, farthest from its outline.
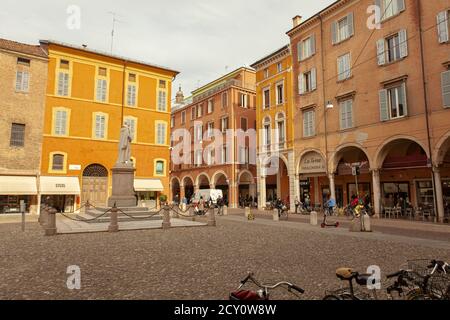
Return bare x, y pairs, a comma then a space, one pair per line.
275, 215
313, 218
123, 187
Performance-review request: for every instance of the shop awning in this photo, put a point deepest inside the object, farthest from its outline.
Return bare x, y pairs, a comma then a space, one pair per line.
16, 185
145, 185
59, 186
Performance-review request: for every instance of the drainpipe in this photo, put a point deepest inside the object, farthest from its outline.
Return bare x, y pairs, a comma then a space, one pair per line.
425, 98
123, 91
322, 53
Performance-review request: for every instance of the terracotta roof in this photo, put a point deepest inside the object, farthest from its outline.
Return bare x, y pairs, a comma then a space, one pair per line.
22, 48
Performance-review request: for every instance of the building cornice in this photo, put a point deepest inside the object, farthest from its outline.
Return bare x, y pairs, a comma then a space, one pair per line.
273, 57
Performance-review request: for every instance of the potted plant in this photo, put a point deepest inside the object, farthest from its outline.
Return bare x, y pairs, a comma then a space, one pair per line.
163, 199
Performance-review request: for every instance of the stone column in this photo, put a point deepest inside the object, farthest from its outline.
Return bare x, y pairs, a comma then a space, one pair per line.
439, 196
376, 193
196, 188
182, 192
317, 191
262, 193
232, 195
332, 186
293, 181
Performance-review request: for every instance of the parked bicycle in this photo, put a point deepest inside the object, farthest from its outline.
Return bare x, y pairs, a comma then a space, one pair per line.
263, 291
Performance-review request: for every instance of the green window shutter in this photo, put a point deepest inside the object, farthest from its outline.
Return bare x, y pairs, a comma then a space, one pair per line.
384, 105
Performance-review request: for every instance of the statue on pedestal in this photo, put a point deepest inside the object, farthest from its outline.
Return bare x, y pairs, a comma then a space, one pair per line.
125, 146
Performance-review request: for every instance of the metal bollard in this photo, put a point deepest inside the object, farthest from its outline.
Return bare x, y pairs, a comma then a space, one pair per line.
313, 218
50, 228
166, 219
276, 217
114, 224
225, 210
212, 218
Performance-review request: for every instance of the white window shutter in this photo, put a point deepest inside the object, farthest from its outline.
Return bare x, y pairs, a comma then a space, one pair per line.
26, 77
378, 4
66, 84
313, 123
299, 49
381, 52
305, 124
405, 98
400, 5
445, 84
384, 106
19, 75
60, 83
334, 27
403, 39
301, 85
442, 26
313, 79
351, 28
350, 113
340, 68
342, 115
313, 44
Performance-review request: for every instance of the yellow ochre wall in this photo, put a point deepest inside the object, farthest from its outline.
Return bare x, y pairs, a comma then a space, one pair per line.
80, 145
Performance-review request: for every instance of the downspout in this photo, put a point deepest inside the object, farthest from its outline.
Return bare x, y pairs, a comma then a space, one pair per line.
123, 91
425, 97
322, 53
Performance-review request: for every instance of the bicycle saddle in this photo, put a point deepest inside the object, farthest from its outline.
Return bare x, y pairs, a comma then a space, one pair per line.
348, 274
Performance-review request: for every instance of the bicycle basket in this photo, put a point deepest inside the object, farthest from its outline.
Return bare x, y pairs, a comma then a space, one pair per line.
439, 286
245, 295
418, 267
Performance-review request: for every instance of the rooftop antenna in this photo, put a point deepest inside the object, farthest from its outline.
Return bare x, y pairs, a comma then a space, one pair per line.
114, 20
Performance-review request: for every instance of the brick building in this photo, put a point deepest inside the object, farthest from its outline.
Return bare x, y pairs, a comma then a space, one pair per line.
379, 97
226, 104
23, 77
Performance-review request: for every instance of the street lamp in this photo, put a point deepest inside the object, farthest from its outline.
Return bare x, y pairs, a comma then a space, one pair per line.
330, 105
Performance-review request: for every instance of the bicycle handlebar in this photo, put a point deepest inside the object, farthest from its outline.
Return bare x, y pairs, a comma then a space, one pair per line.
297, 288
266, 287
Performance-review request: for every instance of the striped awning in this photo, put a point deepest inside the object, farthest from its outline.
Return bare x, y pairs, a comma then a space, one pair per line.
18, 185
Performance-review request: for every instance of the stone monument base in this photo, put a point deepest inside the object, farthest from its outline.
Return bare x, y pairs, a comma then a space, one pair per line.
123, 187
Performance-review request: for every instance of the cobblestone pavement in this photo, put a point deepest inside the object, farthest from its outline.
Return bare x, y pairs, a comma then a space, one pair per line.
194, 263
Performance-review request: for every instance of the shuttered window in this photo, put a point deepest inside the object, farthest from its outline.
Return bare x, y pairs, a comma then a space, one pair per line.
390, 8
393, 102
392, 48
309, 119
183, 117
224, 125
346, 114
22, 81
159, 168
443, 26
161, 134
63, 84
445, 83
100, 126
60, 122
210, 106
224, 100
266, 98
101, 89
131, 95
306, 48
280, 93
342, 29
162, 100
344, 67
307, 81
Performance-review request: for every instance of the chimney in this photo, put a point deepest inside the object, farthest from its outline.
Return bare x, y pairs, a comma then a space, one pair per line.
297, 20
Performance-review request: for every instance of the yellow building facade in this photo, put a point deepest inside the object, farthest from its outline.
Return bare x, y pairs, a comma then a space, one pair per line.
274, 119
90, 95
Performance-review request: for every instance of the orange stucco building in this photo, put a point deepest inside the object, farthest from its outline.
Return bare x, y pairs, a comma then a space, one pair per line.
90, 95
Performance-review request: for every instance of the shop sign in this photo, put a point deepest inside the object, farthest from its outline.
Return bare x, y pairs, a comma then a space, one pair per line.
75, 167
312, 163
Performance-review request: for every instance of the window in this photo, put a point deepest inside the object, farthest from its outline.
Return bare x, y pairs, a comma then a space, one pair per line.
280, 93
344, 68
243, 100
393, 102
243, 155
63, 84
102, 84
198, 133
132, 124
224, 100
159, 168
309, 125
209, 156
162, 84
224, 125
266, 73
58, 162
199, 110
445, 84
390, 8
443, 26
198, 158
392, 48
22, 80
172, 121
210, 106
162, 100
307, 81
306, 48
161, 133
244, 124
267, 132
266, 98
24, 61
193, 113
342, 29
279, 67
281, 128
17, 135
64, 64
100, 125
60, 122
210, 131
224, 154
346, 114
131, 92
183, 117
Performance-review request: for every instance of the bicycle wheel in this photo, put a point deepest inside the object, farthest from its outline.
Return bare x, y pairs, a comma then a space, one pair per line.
332, 297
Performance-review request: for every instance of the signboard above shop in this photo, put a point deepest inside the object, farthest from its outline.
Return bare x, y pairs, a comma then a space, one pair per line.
312, 163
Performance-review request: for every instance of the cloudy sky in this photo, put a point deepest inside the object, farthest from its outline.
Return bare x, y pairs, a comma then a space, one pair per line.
200, 38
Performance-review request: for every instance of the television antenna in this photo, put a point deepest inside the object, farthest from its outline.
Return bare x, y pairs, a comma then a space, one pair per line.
114, 21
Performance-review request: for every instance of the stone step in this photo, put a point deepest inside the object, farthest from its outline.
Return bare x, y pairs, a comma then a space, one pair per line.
121, 217
131, 209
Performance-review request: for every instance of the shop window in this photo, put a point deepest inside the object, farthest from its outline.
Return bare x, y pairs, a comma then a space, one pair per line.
395, 194
425, 193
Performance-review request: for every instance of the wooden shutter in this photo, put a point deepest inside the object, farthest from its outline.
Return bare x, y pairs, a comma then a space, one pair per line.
299, 50
384, 105
342, 115
313, 79
25, 80
301, 85
19, 76
445, 84
378, 4
351, 28
405, 99
403, 41
60, 84
340, 67
313, 123
442, 26
334, 28
313, 44
400, 5
381, 52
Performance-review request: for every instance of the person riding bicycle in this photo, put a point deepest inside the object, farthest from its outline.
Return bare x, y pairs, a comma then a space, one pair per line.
279, 206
